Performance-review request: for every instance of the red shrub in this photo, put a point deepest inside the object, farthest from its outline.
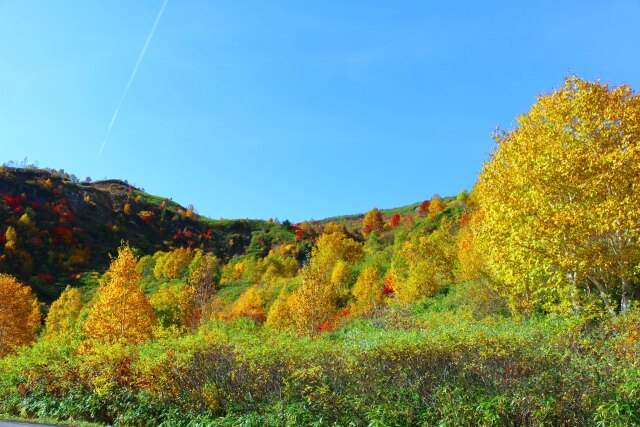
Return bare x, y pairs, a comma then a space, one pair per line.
395, 220
424, 207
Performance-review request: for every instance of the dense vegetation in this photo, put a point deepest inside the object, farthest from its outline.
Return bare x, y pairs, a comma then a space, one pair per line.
55, 229
513, 305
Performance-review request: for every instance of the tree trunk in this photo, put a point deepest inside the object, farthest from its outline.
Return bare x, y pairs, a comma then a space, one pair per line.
624, 299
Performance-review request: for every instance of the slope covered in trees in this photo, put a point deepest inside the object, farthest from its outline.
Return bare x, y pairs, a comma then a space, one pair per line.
54, 228
515, 304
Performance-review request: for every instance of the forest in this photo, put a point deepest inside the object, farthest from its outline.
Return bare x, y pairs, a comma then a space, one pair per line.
513, 304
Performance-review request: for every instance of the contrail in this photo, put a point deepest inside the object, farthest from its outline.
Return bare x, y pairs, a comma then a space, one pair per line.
133, 75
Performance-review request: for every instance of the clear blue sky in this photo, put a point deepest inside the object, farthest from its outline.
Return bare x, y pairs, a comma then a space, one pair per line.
292, 109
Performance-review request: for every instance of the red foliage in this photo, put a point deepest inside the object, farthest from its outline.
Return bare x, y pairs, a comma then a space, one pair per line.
388, 285
63, 233
299, 234
45, 277
424, 207
395, 220
36, 205
326, 326
344, 312
14, 202
464, 218
3, 238
65, 216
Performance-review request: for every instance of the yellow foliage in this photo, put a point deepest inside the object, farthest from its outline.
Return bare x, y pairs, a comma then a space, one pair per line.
127, 208
314, 302
334, 227
19, 314
250, 304
559, 199
172, 265
340, 274
25, 220
471, 264
279, 316
204, 278
173, 305
424, 265
436, 205
12, 236
63, 313
373, 222
121, 309
368, 290
335, 247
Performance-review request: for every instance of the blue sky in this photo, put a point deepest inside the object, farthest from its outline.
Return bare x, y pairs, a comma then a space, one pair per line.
290, 109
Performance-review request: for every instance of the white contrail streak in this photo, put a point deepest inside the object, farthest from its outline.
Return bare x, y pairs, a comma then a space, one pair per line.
132, 76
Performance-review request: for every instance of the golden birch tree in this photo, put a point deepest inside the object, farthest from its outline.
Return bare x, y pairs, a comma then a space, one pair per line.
559, 200
63, 313
121, 309
19, 314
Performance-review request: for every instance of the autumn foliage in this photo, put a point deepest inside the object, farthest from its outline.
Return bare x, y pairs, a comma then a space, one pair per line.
559, 200
19, 314
121, 309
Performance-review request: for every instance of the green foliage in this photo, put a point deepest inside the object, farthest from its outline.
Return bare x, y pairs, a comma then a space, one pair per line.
498, 371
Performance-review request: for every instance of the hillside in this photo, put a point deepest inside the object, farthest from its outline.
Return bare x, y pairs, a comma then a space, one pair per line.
54, 228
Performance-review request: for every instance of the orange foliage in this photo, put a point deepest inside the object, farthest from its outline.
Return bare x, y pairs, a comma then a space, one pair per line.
19, 314
121, 309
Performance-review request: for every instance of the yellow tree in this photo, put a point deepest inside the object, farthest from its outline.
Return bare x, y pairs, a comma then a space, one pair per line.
334, 227
250, 304
63, 313
173, 305
335, 247
204, 278
279, 316
424, 264
373, 222
174, 264
314, 302
19, 314
436, 205
11, 236
368, 290
559, 199
121, 309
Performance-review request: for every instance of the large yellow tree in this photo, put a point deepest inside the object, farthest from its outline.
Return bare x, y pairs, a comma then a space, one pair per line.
121, 309
560, 200
19, 314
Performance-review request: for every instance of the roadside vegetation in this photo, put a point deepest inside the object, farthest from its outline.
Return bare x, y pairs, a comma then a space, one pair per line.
514, 304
